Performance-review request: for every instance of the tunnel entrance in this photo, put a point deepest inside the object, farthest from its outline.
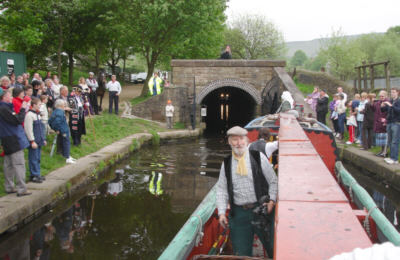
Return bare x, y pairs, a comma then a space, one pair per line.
227, 107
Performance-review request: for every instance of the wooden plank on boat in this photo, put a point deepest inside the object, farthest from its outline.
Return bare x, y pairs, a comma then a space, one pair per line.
307, 179
309, 230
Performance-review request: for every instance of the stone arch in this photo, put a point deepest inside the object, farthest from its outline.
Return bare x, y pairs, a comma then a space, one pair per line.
251, 90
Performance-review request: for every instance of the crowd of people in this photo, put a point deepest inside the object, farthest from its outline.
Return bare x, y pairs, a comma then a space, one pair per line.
31, 108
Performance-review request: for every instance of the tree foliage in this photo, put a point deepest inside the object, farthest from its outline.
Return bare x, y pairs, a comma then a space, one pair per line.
162, 29
254, 37
299, 58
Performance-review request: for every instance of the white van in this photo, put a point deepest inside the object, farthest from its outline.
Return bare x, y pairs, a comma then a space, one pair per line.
141, 77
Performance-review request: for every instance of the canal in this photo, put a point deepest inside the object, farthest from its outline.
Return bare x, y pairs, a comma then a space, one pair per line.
118, 218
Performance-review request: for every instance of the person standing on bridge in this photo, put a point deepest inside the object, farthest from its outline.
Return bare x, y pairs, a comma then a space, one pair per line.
227, 54
155, 84
245, 177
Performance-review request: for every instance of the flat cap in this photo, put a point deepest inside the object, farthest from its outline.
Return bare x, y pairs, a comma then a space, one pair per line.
237, 130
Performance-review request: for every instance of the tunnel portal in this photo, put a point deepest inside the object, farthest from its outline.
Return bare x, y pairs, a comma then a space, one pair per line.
226, 107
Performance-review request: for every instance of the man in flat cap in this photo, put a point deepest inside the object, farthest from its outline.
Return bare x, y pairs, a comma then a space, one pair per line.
93, 85
245, 177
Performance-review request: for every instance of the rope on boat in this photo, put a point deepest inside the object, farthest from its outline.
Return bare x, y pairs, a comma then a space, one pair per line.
199, 231
367, 226
351, 194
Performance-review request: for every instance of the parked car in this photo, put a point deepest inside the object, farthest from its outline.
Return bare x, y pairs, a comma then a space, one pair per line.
134, 78
141, 77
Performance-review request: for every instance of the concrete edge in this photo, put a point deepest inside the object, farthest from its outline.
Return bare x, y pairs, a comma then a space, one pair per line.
62, 182
373, 164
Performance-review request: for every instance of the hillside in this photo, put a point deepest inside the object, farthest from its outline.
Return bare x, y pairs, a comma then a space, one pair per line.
311, 48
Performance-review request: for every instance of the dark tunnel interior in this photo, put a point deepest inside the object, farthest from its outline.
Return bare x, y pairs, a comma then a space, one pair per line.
227, 107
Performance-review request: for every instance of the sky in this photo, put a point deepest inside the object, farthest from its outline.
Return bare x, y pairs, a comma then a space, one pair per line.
312, 19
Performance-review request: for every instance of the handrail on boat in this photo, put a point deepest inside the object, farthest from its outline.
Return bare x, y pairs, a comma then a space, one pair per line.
183, 242
380, 219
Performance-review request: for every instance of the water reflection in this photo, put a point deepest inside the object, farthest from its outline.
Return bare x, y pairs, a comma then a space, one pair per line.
121, 219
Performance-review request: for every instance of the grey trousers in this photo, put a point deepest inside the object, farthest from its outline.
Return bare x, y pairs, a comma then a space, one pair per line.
14, 167
169, 122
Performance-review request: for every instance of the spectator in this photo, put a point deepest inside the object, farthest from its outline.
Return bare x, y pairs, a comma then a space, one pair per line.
351, 123
227, 54
322, 107
340, 91
49, 92
48, 76
34, 131
368, 123
169, 113
12, 80
93, 85
341, 110
29, 91
114, 89
392, 108
44, 113
360, 115
20, 82
380, 124
312, 98
37, 89
36, 77
5, 82
84, 94
18, 99
334, 115
14, 141
76, 116
56, 86
64, 97
154, 84
354, 104
25, 77
58, 123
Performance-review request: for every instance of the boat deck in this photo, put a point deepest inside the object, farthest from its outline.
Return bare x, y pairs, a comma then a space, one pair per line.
314, 219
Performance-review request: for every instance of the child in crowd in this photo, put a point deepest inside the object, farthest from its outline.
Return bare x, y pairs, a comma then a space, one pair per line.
58, 123
29, 91
44, 113
360, 115
351, 123
34, 132
334, 115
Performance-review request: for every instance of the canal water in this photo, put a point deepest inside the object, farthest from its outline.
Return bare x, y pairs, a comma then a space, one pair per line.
119, 218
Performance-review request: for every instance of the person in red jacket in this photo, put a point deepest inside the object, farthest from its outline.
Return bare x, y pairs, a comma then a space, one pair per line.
18, 97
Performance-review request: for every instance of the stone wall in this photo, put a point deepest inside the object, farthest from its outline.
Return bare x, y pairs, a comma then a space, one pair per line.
253, 74
154, 107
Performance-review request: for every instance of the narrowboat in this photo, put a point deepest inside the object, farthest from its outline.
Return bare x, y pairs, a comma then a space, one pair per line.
321, 210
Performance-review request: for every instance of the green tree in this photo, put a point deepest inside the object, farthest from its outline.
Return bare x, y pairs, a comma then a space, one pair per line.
342, 55
254, 37
161, 29
316, 63
298, 59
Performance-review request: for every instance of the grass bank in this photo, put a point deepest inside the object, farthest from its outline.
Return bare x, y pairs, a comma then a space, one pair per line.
108, 129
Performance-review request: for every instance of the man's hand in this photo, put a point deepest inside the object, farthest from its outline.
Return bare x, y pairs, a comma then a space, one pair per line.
223, 221
270, 206
25, 105
34, 145
45, 143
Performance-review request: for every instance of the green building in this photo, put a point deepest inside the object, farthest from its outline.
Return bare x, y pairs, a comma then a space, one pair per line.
12, 62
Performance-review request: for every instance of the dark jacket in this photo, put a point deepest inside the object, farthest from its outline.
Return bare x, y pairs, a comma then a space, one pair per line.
379, 117
368, 112
393, 112
13, 138
58, 122
261, 186
258, 145
322, 105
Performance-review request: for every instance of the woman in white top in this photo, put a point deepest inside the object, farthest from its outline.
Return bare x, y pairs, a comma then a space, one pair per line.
341, 110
